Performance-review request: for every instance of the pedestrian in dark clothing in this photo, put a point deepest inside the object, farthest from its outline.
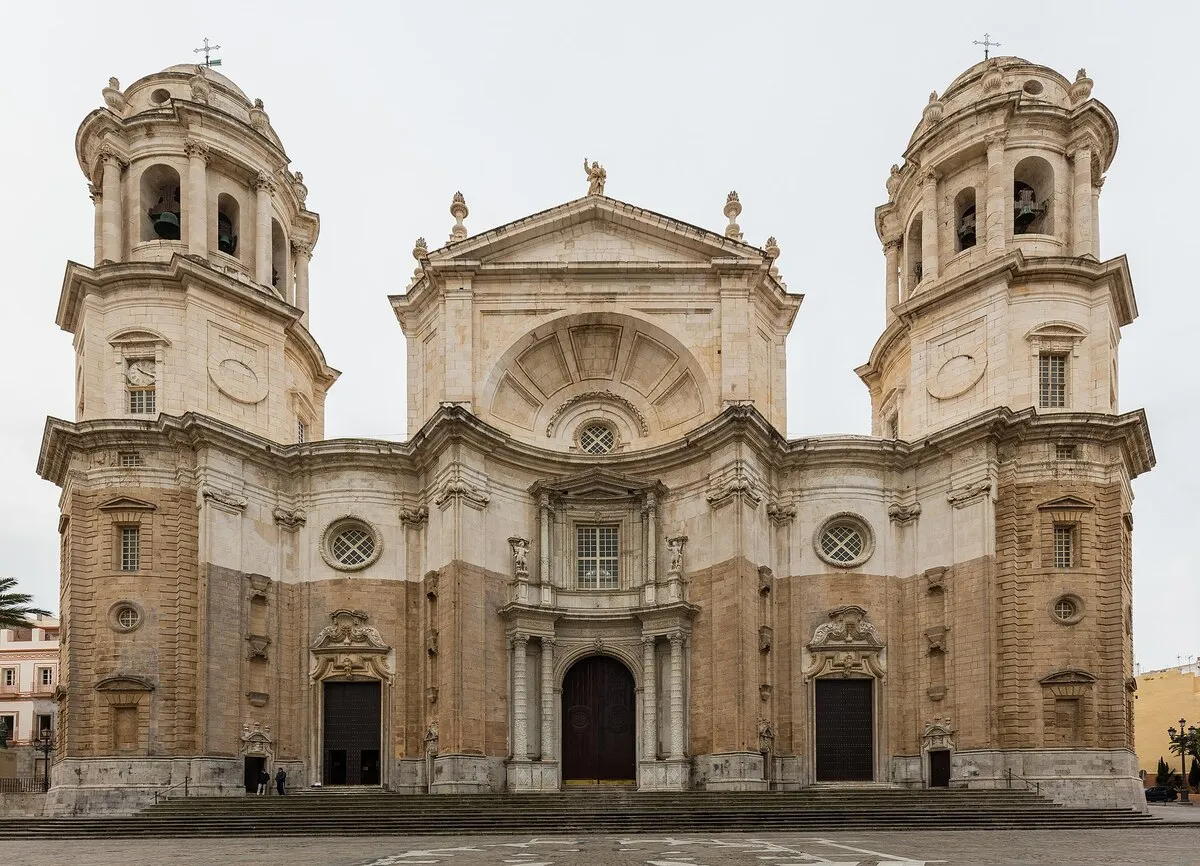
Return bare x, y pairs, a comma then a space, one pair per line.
280, 779
264, 781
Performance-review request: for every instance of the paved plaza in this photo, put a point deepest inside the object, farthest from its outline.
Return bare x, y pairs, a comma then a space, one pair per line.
1176, 846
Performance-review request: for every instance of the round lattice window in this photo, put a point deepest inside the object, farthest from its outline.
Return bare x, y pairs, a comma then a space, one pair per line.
125, 616
1067, 609
597, 438
844, 540
350, 544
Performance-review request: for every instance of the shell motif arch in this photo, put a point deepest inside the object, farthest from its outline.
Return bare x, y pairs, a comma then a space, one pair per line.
565, 377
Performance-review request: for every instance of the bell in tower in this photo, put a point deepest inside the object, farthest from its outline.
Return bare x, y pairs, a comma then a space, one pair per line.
1026, 209
165, 214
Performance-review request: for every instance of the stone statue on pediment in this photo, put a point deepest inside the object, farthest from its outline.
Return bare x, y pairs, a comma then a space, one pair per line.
596, 176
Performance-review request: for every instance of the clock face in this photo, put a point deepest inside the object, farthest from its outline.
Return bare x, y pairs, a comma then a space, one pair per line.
140, 373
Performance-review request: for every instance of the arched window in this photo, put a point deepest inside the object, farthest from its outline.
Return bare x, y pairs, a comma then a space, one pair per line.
912, 257
160, 204
1033, 189
228, 227
964, 218
279, 259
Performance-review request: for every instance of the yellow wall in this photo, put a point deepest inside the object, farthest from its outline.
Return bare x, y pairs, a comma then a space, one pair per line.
1162, 698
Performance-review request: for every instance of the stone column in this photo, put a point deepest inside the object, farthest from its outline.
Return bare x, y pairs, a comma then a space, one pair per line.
263, 187
652, 538
929, 227
544, 547
1096, 217
891, 252
1081, 219
197, 191
677, 696
110, 198
301, 252
997, 212
547, 699
520, 699
649, 700
97, 224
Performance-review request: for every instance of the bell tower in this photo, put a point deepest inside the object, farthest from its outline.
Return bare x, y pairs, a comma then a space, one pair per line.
198, 297
996, 293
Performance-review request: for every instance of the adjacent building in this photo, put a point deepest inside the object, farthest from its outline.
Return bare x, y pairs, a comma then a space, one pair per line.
597, 559
1163, 698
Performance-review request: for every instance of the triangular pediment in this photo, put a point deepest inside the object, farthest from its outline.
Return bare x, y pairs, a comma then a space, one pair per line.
598, 483
127, 503
1066, 503
594, 229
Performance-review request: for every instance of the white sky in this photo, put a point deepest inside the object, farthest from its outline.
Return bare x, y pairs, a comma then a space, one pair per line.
388, 108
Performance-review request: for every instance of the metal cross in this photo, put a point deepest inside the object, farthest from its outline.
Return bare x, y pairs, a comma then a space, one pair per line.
207, 48
985, 43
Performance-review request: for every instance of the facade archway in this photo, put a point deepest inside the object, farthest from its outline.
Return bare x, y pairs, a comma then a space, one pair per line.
599, 723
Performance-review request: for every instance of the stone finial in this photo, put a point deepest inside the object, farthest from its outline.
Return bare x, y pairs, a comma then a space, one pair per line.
201, 89
934, 110
420, 249
259, 120
299, 188
1082, 88
992, 79
596, 176
458, 210
113, 97
771, 248
733, 207
893, 181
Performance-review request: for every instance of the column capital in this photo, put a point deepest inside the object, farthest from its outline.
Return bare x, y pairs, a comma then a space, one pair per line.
518, 640
892, 243
302, 248
95, 192
930, 177
1080, 149
196, 149
108, 154
263, 181
676, 638
649, 640
548, 642
997, 139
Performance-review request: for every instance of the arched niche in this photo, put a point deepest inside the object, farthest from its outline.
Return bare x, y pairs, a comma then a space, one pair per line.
161, 204
965, 219
588, 368
913, 254
279, 261
229, 227
1033, 192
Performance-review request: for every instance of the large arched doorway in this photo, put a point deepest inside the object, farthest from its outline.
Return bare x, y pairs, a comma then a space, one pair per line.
599, 730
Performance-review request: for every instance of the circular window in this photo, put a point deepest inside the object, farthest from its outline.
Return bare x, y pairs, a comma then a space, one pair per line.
844, 540
125, 616
597, 438
1032, 87
159, 96
1067, 609
350, 544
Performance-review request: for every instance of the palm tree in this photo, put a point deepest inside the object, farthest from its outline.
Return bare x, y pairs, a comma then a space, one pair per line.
15, 608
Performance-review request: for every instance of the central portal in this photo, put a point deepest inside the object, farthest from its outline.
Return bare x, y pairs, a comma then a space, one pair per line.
351, 733
845, 730
598, 730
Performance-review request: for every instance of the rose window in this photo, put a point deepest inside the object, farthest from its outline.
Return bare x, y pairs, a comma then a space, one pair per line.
353, 546
842, 543
597, 439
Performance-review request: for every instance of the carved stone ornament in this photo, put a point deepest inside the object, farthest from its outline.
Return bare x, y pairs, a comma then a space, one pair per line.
224, 500
256, 739
457, 489
766, 580
675, 545
961, 497
196, 149
781, 513
258, 644
1082, 88
934, 110
937, 735
847, 645
733, 208
520, 555
730, 484
201, 89
604, 396
764, 691
349, 649
431, 642
596, 177
935, 578
893, 181
458, 210
113, 97
413, 517
766, 638
259, 121
904, 513
937, 638
237, 379
992, 79
289, 520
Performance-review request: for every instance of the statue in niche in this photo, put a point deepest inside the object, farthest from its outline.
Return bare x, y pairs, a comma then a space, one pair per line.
596, 176
675, 551
520, 555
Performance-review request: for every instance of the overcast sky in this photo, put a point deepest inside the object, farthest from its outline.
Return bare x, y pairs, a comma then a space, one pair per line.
388, 108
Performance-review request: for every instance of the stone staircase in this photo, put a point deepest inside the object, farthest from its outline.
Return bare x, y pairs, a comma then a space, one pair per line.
333, 813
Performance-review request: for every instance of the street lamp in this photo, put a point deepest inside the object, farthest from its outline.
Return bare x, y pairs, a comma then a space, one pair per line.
45, 745
1183, 738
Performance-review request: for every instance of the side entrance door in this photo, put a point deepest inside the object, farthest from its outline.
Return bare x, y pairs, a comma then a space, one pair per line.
845, 730
254, 766
598, 727
351, 733
939, 768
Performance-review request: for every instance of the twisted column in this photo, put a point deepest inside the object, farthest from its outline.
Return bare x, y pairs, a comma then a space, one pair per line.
649, 701
677, 696
547, 699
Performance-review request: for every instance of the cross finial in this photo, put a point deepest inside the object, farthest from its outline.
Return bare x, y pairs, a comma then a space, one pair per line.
205, 51
986, 43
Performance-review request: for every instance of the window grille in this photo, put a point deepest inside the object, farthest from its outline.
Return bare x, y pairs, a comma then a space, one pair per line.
1064, 546
301, 431
141, 401
10, 676
842, 543
353, 546
894, 426
128, 617
129, 458
1064, 610
1064, 452
1052, 380
46, 676
597, 439
597, 552
131, 548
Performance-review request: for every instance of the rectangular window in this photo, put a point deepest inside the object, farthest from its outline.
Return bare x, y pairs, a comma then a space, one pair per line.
894, 426
131, 548
1064, 545
1052, 380
10, 726
42, 723
46, 676
9, 677
1064, 452
301, 431
141, 401
596, 557
129, 458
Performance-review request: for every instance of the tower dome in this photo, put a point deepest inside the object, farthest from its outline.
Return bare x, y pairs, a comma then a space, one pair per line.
1000, 178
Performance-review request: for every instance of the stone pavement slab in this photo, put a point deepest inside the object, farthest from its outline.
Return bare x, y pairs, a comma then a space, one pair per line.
1178, 846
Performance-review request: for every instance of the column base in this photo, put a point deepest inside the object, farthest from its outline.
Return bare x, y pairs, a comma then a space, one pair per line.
731, 771
665, 775
467, 774
537, 776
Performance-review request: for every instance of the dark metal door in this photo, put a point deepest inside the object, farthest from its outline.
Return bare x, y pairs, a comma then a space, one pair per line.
598, 731
351, 733
845, 752
939, 768
254, 766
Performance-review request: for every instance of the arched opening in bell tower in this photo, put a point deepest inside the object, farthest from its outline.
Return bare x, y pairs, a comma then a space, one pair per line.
964, 218
912, 256
228, 224
160, 204
1033, 188
279, 262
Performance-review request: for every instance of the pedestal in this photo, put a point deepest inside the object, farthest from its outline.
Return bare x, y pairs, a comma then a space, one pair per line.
664, 775
533, 776
731, 771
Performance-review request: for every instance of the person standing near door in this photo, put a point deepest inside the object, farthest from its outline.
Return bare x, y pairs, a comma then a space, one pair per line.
280, 779
264, 779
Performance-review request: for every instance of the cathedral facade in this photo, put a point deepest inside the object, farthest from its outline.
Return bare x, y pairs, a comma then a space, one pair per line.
597, 559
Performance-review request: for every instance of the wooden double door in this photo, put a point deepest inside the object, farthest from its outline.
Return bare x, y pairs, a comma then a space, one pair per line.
599, 723
351, 733
845, 750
